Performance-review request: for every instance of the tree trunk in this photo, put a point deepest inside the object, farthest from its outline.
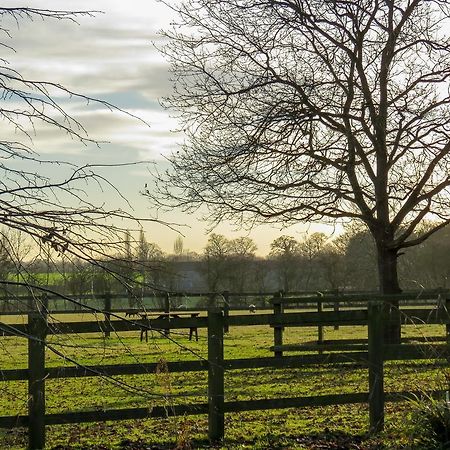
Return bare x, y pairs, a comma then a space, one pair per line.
388, 284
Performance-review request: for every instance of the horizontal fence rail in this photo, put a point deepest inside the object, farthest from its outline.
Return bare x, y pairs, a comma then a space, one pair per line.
109, 301
370, 353
300, 319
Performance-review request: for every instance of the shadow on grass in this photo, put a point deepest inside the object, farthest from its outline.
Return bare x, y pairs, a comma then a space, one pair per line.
316, 441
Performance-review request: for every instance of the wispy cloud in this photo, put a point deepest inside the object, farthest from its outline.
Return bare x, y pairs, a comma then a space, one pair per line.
109, 56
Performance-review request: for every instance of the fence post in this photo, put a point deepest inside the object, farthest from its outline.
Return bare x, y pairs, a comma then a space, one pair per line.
319, 327
376, 380
216, 392
107, 314
336, 307
336, 310
447, 326
167, 312
278, 329
37, 330
226, 311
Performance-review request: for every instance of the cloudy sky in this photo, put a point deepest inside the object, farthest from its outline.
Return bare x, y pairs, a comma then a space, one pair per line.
111, 56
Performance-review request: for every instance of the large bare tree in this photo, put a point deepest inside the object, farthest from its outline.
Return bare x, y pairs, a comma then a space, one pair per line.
315, 110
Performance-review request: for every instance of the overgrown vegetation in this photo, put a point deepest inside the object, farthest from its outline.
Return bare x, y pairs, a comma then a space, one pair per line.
430, 422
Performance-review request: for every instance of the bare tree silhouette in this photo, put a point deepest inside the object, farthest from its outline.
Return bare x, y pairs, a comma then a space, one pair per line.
301, 111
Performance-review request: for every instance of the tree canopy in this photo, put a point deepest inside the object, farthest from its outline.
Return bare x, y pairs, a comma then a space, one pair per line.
300, 111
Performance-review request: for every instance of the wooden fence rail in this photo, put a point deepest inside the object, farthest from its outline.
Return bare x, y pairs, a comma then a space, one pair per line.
38, 327
110, 301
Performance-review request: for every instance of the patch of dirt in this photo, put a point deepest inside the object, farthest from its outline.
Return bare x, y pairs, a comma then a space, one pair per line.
336, 441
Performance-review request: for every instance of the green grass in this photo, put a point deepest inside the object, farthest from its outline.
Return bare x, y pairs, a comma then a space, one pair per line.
302, 428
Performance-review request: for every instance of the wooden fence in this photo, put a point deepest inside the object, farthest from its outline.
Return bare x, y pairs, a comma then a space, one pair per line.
114, 302
216, 322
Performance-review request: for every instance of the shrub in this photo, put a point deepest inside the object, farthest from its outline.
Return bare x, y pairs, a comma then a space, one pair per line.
430, 426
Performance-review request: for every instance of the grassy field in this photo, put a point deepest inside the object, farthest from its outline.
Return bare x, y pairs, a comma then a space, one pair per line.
337, 427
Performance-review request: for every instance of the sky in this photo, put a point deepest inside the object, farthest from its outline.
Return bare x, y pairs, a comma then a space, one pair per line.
112, 56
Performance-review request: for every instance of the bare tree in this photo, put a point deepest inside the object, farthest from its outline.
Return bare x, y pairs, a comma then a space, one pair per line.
286, 252
332, 262
303, 111
428, 264
242, 259
54, 210
151, 264
229, 263
178, 247
216, 261
311, 249
360, 263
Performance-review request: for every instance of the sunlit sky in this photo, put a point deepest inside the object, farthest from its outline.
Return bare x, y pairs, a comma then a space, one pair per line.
111, 56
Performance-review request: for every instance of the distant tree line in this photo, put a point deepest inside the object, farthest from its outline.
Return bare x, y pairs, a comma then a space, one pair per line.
316, 262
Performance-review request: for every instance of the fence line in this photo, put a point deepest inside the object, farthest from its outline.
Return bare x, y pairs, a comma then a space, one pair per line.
293, 299
38, 328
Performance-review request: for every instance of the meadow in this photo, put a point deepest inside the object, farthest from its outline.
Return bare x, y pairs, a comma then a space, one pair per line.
330, 427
